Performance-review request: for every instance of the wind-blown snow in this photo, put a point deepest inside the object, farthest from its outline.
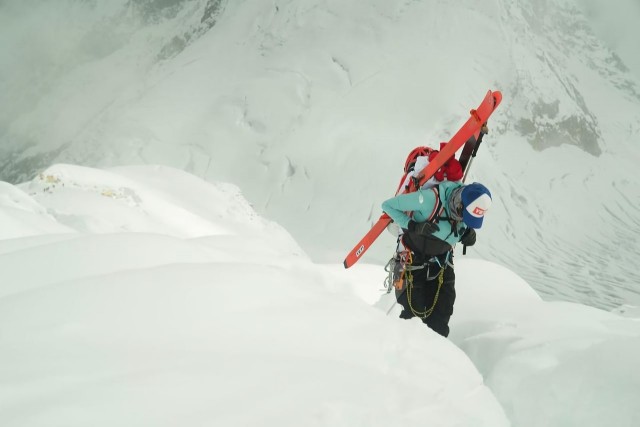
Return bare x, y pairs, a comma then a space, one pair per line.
207, 314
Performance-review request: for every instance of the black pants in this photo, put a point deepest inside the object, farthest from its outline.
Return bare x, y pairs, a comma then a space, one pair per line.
423, 290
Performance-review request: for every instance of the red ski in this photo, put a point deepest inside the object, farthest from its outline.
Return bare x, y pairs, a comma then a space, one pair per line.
471, 128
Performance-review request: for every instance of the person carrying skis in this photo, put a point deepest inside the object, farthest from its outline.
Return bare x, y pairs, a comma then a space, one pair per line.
434, 218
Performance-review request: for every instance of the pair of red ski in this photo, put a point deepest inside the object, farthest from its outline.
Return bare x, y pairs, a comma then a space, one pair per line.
470, 129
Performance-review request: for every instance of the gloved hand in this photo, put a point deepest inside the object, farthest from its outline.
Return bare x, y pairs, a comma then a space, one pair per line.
468, 237
424, 228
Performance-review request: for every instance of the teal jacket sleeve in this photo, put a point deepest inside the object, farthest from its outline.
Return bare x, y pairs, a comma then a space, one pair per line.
422, 203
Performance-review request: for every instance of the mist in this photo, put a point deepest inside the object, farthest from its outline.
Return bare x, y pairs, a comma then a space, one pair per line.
616, 22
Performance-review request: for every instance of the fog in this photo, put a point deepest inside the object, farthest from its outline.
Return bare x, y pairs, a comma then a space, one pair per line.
616, 22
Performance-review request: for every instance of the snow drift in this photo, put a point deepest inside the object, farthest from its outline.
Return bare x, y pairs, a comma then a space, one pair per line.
146, 296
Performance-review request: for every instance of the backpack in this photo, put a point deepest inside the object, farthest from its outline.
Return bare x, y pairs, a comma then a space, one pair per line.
418, 159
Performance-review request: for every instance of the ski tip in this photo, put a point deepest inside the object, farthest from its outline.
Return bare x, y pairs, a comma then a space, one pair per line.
346, 265
497, 97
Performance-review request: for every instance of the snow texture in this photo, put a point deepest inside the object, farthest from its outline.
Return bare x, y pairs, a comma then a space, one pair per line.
207, 314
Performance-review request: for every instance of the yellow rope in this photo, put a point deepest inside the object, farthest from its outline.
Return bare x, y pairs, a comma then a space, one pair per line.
426, 313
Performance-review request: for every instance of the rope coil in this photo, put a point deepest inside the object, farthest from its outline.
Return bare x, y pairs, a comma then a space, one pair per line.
426, 313
399, 277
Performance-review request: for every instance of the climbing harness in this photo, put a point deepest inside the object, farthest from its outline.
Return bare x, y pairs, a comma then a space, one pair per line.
400, 277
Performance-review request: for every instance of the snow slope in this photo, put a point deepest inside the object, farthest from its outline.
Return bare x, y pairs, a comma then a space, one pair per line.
310, 106
207, 314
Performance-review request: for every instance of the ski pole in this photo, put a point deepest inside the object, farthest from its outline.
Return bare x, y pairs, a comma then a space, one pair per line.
483, 131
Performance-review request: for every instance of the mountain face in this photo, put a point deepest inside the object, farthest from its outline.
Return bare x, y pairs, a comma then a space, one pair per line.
310, 107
